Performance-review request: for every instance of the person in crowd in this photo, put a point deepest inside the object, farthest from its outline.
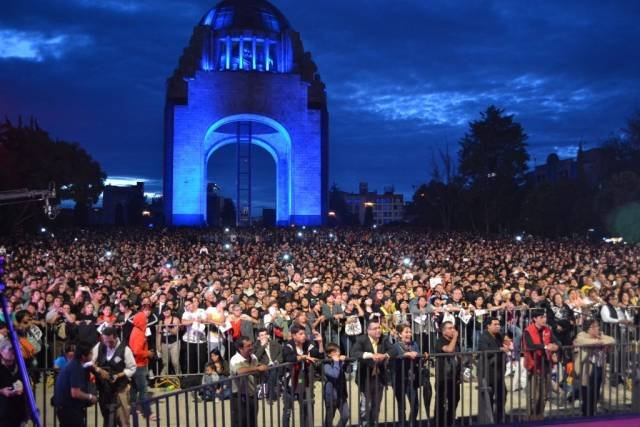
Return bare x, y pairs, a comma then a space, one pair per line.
114, 365
372, 352
589, 360
491, 367
194, 338
539, 344
45, 277
13, 408
71, 392
615, 323
244, 410
408, 375
269, 352
124, 318
61, 361
140, 349
335, 387
448, 375
304, 353
168, 331
215, 371
87, 328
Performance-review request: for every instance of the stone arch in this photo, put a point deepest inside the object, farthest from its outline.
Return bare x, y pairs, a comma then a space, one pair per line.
278, 145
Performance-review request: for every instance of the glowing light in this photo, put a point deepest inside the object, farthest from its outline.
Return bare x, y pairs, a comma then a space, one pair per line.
227, 246
331, 235
168, 265
43, 230
108, 254
299, 234
518, 238
315, 231
226, 230
375, 226
406, 261
75, 240
332, 213
286, 257
146, 213
369, 204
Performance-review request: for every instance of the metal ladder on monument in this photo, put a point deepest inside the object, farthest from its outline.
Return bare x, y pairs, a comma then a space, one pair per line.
243, 208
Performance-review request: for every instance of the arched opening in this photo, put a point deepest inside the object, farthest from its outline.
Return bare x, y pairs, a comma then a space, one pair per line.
222, 186
250, 167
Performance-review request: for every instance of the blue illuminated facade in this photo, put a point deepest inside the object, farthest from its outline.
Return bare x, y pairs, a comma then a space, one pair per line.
244, 63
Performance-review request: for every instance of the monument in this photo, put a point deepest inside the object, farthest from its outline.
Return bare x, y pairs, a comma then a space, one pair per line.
245, 79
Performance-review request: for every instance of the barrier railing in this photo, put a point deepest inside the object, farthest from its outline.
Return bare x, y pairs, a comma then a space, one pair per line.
611, 385
407, 392
182, 353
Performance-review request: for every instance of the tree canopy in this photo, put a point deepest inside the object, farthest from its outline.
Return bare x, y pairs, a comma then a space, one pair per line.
30, 158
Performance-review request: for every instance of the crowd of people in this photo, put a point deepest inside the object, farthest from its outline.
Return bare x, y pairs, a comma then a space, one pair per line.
186, 302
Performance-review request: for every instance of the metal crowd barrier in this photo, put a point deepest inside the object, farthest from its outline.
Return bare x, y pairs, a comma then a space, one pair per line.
437, 394
192, 357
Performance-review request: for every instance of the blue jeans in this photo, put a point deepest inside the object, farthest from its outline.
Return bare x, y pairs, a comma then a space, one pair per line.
139, 389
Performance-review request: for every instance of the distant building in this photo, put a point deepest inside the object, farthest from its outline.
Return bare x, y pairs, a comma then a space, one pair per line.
268, 217
123, 206
214, 205
554, 170
387, 207
590, 164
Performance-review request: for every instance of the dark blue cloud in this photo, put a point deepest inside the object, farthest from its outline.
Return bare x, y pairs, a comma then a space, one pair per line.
404, 77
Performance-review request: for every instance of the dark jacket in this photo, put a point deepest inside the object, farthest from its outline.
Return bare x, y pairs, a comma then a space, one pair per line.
491, 364
275, 350
407, 372
301, 370
368, 370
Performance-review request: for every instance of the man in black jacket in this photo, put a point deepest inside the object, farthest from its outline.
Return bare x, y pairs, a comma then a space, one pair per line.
491, 368
304, 353
372, 352
269, 353
448, 369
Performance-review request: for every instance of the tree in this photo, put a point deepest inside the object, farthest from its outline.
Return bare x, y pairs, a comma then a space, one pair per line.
30, 158
493, 161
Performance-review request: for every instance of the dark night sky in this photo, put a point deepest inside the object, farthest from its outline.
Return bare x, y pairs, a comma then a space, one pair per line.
403, 77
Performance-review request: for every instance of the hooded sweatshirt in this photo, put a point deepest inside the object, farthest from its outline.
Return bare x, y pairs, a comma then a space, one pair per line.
138, 340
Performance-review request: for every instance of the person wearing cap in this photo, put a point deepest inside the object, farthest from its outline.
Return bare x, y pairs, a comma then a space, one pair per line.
539, 344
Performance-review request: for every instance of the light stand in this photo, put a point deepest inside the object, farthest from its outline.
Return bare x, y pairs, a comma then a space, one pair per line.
35, 416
